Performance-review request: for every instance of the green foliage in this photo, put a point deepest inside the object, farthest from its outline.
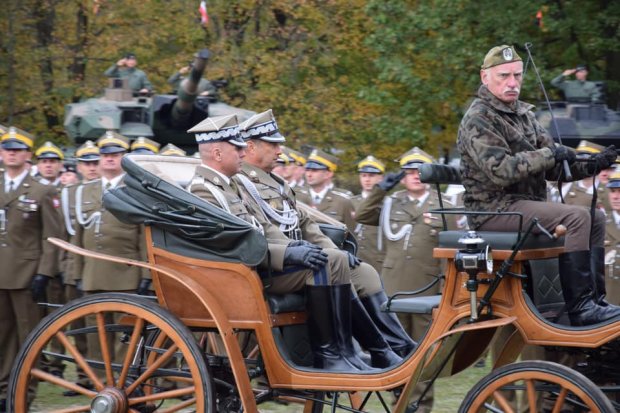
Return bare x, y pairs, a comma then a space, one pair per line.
362, 76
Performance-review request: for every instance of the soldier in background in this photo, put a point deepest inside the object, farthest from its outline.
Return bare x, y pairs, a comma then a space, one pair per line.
205, 87
49, 167
172, 150
580, 90
371, 172
126, 68
298, 176
285, 164
69, 175
99, 230
87, 156
321, 193
28, 216
144, 146
410, 233
610, 277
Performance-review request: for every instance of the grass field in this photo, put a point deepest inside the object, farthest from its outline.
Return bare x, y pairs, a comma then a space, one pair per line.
449, 393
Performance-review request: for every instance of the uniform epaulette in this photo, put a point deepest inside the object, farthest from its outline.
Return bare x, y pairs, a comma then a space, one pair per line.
399, 194
342, 192
94, 181
301, 190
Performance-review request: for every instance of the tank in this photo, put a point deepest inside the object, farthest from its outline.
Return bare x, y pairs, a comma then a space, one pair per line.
594, 122
163, 118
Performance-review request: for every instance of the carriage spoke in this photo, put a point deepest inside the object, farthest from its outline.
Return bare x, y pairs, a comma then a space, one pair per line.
105, 349
41, 375
79, 359
161, 360
531, 395
131, 349
503, 403
180, 406
170, 394
559, 403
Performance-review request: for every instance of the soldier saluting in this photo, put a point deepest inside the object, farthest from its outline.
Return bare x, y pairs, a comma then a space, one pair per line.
506, 158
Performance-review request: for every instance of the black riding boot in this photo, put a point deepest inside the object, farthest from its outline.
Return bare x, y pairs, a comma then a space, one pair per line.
597, 263
578, 288
329, 325
388, 324
368, 335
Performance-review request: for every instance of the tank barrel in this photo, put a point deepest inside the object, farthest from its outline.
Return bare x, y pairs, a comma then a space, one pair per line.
189, 86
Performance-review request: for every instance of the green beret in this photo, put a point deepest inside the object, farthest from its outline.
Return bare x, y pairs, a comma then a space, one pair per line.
500, 55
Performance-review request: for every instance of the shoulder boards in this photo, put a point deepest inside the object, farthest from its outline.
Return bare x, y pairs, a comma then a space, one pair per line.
342, 194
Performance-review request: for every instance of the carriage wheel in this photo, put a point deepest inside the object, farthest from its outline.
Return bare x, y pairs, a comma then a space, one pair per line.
133, 372
535, 386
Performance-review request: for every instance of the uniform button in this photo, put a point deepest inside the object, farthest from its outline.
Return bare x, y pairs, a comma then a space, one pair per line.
408, 257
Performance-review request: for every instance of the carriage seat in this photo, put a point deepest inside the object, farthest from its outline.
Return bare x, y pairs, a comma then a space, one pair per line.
500, 240
286, 303
413, 305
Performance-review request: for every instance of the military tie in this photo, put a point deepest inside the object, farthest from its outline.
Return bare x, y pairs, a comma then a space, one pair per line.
11, 187
108, 186
316, 200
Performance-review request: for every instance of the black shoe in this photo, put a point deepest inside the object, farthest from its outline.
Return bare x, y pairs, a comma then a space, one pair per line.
368, 335
329, 325
579, 290
388, 324
2, 405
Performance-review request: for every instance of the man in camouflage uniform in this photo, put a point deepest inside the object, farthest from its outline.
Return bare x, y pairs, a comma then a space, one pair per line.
277, 201
410, 233
28, 216
371, 172
126, 68
295, 264
321, 193
506, 158
580, 90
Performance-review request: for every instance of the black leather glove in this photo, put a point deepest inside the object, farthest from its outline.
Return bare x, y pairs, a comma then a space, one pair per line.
143, 287
562, 153
606, 158
390, 180
309, 257
38, 287
353, 260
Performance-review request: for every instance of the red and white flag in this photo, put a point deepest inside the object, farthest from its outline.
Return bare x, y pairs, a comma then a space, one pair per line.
204, 16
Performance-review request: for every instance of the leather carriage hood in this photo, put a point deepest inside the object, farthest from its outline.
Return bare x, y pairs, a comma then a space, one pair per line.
182, 223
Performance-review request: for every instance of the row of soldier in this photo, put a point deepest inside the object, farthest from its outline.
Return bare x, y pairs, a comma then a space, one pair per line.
394, 231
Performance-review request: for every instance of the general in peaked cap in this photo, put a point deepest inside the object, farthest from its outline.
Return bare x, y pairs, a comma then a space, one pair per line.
172, 150
144, 146
218, 129
500, 55
321, 160
371, 165
49, 151
413, 158
87, 152
112, 142
262, 126
16, 138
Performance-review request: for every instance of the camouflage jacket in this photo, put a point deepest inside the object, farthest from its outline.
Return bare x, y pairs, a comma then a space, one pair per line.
506, 156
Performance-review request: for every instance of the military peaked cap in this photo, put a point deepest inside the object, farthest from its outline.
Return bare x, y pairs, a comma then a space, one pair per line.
144, 146
16, 138
49, 151
88, 152
371, 165
218, 129
112, 142
413, 158
261, 126
172, 150
321, 160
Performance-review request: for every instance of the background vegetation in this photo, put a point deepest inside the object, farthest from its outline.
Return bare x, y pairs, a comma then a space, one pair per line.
362, 76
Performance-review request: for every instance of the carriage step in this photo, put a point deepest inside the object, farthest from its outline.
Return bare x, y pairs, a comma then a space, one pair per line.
413, 305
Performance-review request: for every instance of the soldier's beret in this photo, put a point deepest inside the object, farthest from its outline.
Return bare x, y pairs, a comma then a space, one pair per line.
321, 160
219, 129
112, 142
16, 138
144, 146
371, 165
500, 55
49, 151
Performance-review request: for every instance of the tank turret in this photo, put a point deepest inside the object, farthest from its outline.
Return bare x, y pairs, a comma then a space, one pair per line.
163, 118
594, 122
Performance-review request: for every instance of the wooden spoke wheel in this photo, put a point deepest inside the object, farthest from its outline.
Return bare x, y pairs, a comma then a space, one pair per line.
535, 386
145, 360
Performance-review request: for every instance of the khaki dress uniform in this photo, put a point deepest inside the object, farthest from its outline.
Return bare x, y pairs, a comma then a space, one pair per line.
336, 203
367, 240
612, 258
28, 216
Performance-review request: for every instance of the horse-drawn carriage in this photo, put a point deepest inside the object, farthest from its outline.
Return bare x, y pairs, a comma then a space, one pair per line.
213, 340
